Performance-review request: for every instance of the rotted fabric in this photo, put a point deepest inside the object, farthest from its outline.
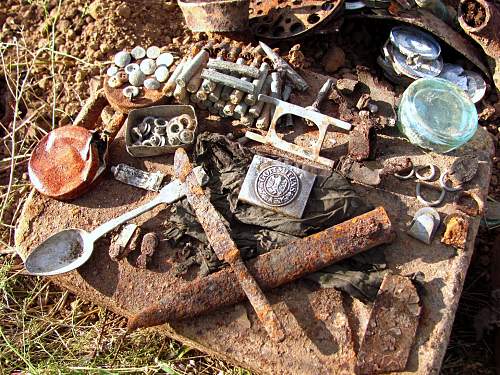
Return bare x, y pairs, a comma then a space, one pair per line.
256, 230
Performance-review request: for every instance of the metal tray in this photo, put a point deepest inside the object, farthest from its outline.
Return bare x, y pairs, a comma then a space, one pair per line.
166, 111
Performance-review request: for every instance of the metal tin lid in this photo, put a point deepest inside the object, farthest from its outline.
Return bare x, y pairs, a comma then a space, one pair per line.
471, 82
354, 5
411, 42
417, 68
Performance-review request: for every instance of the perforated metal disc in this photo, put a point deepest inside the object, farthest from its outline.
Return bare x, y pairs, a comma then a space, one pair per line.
280, 19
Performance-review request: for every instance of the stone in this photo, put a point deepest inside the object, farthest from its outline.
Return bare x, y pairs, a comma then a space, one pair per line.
346, 85
123, 11
334, 59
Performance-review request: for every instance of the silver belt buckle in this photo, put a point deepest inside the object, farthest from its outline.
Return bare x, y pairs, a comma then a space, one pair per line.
277, 186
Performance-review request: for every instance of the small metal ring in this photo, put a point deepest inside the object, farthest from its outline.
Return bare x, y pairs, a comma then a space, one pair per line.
426, 178
186, 120
442, 182
407, 177
431, 203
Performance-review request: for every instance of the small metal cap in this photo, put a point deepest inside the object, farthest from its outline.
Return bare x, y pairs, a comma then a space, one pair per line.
131, 68
166, 59
136, 78
153, 52
161, 73
148, 66
122, 59
112, 70
138, 52
151, 84
130, 92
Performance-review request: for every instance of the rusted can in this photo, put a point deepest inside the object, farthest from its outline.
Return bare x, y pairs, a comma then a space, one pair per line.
215, 16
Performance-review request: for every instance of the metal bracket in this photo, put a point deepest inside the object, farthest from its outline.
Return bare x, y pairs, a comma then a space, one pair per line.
320, 120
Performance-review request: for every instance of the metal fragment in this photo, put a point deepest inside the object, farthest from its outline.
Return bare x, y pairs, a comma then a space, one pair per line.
391, 328
220, 240
322, 94
457, 230
264, 118
320, 120
463, 169
149, 244
230, 67
363, 142
132, 176
356, 171
227, 80
280, 266
398, 166
424, 225
119, 248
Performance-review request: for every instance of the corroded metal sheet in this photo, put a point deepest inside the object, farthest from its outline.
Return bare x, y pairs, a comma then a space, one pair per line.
391, 329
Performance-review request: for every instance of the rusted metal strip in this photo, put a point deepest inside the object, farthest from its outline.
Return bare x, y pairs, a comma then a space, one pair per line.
224, 247
270, 270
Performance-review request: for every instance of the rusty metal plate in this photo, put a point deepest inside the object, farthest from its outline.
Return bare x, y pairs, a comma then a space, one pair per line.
120, 103
391, 328
64, 162
281, 19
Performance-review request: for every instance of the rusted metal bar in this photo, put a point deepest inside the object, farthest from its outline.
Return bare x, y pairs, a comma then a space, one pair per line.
277, 267
224, 247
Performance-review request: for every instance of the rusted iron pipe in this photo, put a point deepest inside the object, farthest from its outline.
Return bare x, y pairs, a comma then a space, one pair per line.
270, 270
484, 30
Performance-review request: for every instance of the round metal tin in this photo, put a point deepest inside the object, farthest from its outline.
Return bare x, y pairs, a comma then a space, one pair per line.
415, 70
413, 42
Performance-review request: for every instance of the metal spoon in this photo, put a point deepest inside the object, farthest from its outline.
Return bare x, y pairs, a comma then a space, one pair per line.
70, 248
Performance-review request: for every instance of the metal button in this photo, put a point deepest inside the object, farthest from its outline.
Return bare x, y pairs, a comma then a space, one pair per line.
153, 52
166, 59
130, 68
151, 84
148, 66
130, 92
138, 52
122, 59
161, 73
112, 70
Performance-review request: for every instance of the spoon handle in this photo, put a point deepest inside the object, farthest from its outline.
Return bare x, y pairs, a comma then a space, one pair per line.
112, 224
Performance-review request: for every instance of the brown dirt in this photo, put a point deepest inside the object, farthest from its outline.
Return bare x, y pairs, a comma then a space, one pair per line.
95, 30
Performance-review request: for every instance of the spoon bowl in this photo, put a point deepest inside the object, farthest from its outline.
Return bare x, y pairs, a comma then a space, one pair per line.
62, 252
